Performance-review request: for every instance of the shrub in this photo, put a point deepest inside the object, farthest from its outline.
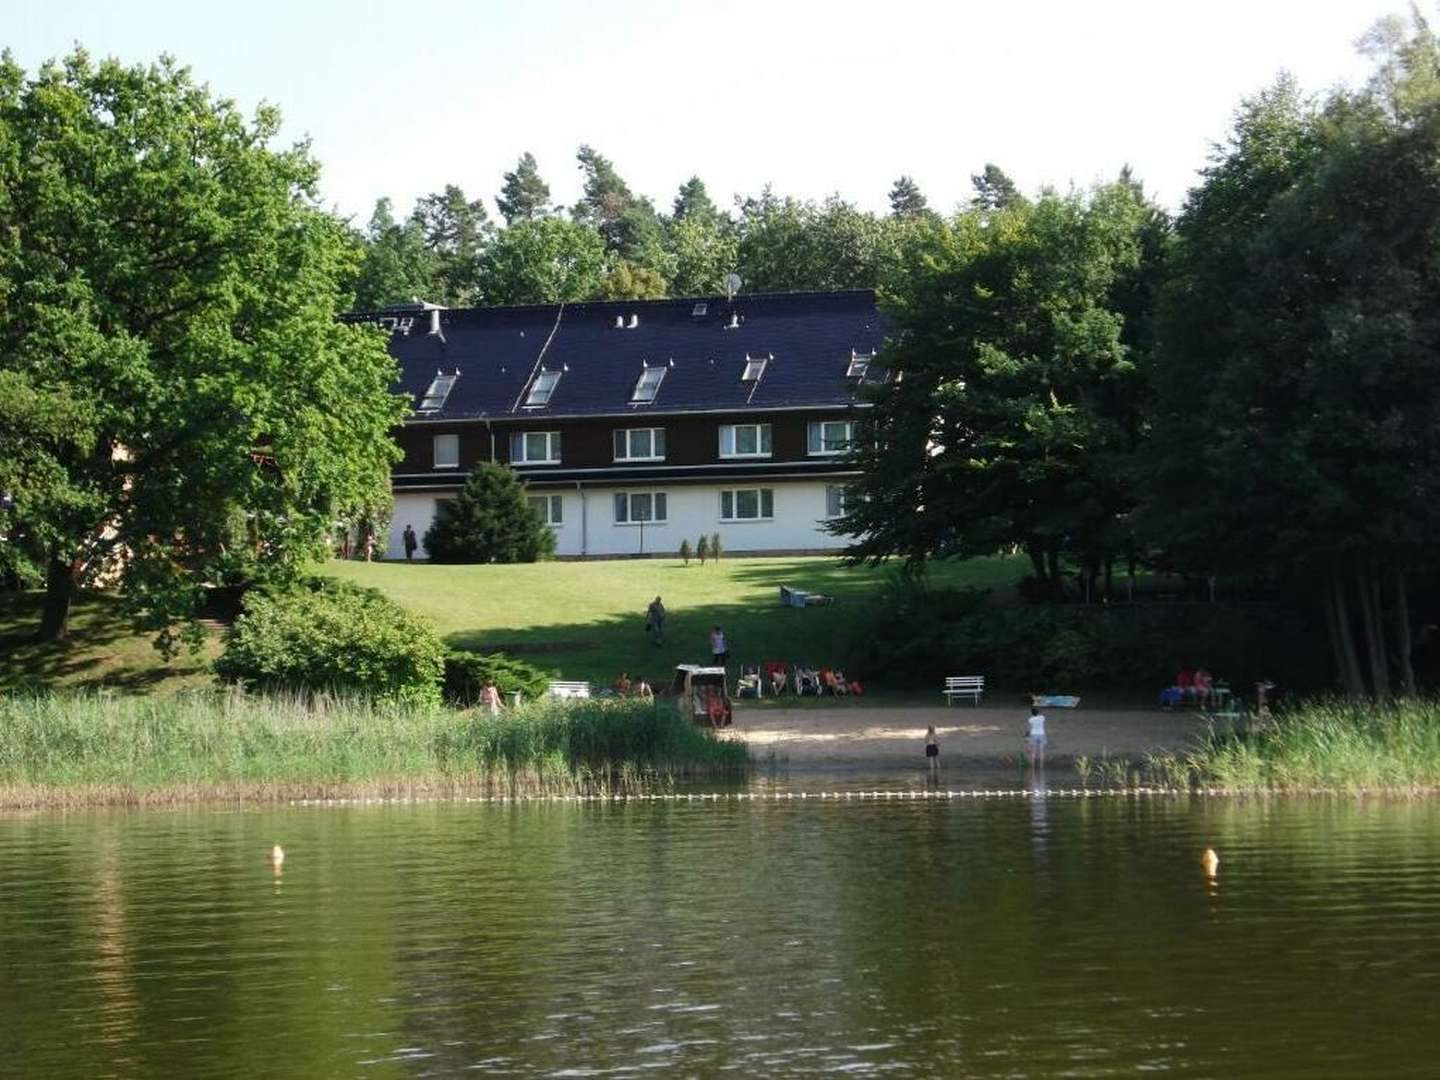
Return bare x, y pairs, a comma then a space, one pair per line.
715, 546
686, 553
489, 521
466, 672
702, 549
333, 636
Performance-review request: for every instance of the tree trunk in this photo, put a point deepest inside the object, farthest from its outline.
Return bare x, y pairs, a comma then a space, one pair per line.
1403, 643
1037, 561
59, 591
1341, 640
1371, 620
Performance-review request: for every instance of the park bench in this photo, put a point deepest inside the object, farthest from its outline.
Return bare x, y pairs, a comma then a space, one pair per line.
562, 688
962, 686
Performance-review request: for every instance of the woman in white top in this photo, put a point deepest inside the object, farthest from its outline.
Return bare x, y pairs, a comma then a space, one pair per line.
1035, 737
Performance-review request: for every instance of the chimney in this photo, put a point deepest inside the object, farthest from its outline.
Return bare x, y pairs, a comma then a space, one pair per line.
619, 322
435, 323
734, 323
634, 321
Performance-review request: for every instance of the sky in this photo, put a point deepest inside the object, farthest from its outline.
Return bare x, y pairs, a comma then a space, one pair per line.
400, 99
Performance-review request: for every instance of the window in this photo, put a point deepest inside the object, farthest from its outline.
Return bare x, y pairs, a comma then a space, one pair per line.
447, 451
747, 504
648, 385
640, 444
744, 440
542, 388
633, 507
698, 310
535, 448
859, 364
549, 507
835, 499
830, 436
754, 368
439, 390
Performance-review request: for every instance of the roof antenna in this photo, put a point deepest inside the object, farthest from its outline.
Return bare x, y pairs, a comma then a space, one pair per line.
732, 285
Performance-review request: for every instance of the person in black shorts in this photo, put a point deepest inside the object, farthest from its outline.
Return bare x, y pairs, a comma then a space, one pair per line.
719, 649
932, 748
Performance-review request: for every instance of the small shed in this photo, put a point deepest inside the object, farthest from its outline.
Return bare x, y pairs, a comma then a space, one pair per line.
704, 693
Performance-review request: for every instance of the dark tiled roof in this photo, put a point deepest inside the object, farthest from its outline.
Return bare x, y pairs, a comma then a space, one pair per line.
808, 336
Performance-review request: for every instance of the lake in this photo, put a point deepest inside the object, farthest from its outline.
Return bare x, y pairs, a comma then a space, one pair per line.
955, 937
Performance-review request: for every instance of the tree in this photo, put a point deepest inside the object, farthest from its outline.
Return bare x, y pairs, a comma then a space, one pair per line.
788, 244
693, 202
628, 224
686, 552
524, 196
994, 190
907, 200
703, 251
455, 232
398, 267
489, 521
542, 261
626, 281
169, 274
715, 547
702, 548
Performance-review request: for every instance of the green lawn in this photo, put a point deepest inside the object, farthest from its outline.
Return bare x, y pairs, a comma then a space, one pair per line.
581, 620
585, 620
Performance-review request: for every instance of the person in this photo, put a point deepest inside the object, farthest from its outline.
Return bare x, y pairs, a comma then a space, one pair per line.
719, 650
622, 684
1035, 738
410, 543
490, 697
655, 622
643, 691
932, 748
370, 547
1204, 687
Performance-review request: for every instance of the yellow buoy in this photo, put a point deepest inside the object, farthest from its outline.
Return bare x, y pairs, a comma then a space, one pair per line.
277, 855
1210, 861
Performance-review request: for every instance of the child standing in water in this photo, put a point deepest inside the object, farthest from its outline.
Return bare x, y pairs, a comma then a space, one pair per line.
932, 748
1035, 739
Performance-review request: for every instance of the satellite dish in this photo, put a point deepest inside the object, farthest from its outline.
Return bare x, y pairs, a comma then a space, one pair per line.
732, 285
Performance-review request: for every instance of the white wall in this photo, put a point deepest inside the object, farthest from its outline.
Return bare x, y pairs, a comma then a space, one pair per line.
691, 512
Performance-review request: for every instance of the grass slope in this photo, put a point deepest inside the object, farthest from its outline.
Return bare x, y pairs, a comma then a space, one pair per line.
585, 620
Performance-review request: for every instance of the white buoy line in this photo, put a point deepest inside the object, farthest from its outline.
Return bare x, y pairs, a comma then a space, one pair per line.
782, 796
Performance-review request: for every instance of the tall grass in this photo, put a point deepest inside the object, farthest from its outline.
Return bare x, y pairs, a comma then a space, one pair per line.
1329, 744
96, 747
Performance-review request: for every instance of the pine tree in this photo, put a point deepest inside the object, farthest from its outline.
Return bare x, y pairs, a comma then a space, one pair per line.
692, 201
686, 552
489, 521
702, 549
994, 190
524, 195
907, 200
715, 547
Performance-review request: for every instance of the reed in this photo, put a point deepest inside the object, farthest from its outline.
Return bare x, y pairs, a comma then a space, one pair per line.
103, 748
1329, 744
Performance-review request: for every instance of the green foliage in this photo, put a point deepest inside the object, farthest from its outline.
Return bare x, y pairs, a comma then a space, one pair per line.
398, 268
524, 195
543, 261
788, 244
488, 521
907, 200
686, 552
702, 549
333, 637
994, 190
716, 548
168, 270
466, 674
456, 231
626, 281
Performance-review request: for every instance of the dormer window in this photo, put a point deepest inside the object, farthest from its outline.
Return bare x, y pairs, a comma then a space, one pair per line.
648, 385
434, 398
754, 368
542, 388
859, 364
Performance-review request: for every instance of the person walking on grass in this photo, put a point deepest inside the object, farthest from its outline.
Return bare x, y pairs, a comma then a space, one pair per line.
932, 749
490, 698
655, 622
1035, 738
411, 543
719, 649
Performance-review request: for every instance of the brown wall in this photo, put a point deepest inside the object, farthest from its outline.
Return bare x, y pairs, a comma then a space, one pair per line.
689, 440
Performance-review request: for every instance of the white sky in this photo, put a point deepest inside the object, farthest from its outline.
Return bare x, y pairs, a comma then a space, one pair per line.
815, 98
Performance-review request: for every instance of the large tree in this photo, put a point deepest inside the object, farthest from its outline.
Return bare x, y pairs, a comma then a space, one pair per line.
398, 267
190, 410
456, 230
906, 199
788, 244
489, 520
542, 261
523, 195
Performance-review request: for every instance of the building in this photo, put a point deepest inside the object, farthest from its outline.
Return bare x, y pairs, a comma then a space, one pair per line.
637, 424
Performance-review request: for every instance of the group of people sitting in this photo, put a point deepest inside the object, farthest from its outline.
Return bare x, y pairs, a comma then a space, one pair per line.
1193, 686
628, 687
775, 677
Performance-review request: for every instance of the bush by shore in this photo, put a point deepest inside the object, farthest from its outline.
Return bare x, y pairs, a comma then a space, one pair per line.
99, 748
1326, 745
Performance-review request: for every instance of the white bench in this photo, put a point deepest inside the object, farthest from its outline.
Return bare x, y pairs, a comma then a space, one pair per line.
962, 686
560, 688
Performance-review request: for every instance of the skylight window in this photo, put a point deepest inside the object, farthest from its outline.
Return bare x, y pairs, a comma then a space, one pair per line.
754, 368
542, 388
648, 385
859, 364
434, 398
698, 310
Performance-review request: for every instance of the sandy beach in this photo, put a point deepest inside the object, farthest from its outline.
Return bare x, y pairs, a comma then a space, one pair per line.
895, 736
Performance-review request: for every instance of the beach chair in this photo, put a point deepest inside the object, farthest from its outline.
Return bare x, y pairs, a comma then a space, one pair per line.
777, 677
749, 684
807, 681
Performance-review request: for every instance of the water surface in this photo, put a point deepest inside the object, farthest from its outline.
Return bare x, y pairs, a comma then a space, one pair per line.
969, 937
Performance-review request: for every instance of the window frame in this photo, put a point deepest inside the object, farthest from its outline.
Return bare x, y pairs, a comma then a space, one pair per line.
521, 439
754, 369
553, 503
453, 440
657, 438
764, 434
659, 371
633, 522
819, 425
842, 492
553, 377
762, 495
433, 400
